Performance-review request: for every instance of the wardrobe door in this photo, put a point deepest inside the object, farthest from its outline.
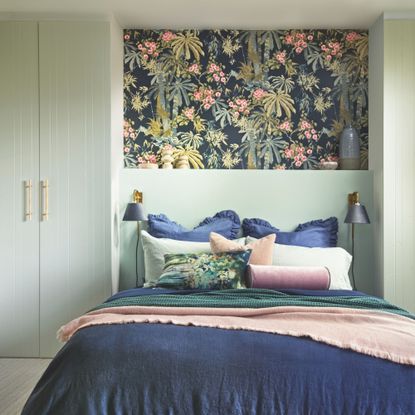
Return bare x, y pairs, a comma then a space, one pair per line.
75, 264
19, 166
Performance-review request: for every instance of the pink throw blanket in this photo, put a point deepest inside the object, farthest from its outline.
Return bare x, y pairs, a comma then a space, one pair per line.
374, 333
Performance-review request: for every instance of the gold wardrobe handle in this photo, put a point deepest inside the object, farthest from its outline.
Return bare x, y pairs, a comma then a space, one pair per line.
45, 199
28, 200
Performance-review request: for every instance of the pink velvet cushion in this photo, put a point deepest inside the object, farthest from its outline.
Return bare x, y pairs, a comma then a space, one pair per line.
262, 249
280, 277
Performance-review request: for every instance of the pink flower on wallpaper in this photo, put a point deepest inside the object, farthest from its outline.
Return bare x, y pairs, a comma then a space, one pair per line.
239, 106
297, 40
289, 39
195, 68
216, 73
289, 152
285, 126
331, 49
258, 94
281, 56
168, 36
148, 48
129, 131
147, 158
189, 113
307, 130
352, 36
304, 125
205, 96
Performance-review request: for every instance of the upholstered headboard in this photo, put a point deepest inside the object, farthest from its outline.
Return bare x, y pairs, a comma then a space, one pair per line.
285, 198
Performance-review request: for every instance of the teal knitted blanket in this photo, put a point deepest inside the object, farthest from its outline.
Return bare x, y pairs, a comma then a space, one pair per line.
254, 298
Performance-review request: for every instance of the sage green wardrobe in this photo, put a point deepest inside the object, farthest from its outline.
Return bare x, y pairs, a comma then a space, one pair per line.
55, 255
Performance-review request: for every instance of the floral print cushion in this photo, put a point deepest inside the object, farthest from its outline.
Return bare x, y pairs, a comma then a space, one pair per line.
205, 271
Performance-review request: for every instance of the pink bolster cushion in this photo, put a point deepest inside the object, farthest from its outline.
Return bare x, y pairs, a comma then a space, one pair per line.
280, 277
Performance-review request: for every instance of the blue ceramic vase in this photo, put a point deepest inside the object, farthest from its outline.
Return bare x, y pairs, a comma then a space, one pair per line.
349, 149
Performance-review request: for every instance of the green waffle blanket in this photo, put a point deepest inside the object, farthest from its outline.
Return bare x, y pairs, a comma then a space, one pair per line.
254, 298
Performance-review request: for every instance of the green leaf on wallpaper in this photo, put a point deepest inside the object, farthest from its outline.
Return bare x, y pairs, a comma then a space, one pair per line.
222, 115
278, 102
187, 45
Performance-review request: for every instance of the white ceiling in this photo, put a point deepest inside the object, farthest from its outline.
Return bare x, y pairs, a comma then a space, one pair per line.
242, 14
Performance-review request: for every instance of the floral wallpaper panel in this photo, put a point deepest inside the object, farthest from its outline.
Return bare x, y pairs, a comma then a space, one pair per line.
229, 99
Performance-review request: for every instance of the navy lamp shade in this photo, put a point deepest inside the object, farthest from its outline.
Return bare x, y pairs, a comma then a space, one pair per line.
134, 212
356, 215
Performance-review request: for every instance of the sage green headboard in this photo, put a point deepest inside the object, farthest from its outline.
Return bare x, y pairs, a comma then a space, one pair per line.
285, 198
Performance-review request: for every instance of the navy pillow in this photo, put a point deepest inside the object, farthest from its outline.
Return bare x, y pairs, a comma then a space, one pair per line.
314, 234
226, 223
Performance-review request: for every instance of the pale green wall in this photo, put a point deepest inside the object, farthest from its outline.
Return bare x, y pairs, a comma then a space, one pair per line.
399, 156
285, 198
392, 155
376, 64
117, 72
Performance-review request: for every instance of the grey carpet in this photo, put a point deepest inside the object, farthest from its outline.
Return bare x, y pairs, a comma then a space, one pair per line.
17, 379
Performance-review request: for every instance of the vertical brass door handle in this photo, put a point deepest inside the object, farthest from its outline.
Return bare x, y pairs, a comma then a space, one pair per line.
28, 200
45, 199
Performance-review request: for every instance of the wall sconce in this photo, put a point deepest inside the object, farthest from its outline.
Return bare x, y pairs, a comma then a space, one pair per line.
356, 214
134, 212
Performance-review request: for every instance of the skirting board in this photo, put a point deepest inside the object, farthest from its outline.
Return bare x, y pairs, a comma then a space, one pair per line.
284, 198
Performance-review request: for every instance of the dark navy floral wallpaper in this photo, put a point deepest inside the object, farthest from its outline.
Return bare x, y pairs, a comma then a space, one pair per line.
243, 99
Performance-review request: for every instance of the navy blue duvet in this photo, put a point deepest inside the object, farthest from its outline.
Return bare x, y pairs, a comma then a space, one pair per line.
165, 369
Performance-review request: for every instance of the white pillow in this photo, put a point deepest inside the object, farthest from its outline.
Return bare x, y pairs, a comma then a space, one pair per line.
155, 249
337, 260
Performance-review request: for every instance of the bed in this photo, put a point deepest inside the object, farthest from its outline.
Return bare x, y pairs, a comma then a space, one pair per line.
123, 359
